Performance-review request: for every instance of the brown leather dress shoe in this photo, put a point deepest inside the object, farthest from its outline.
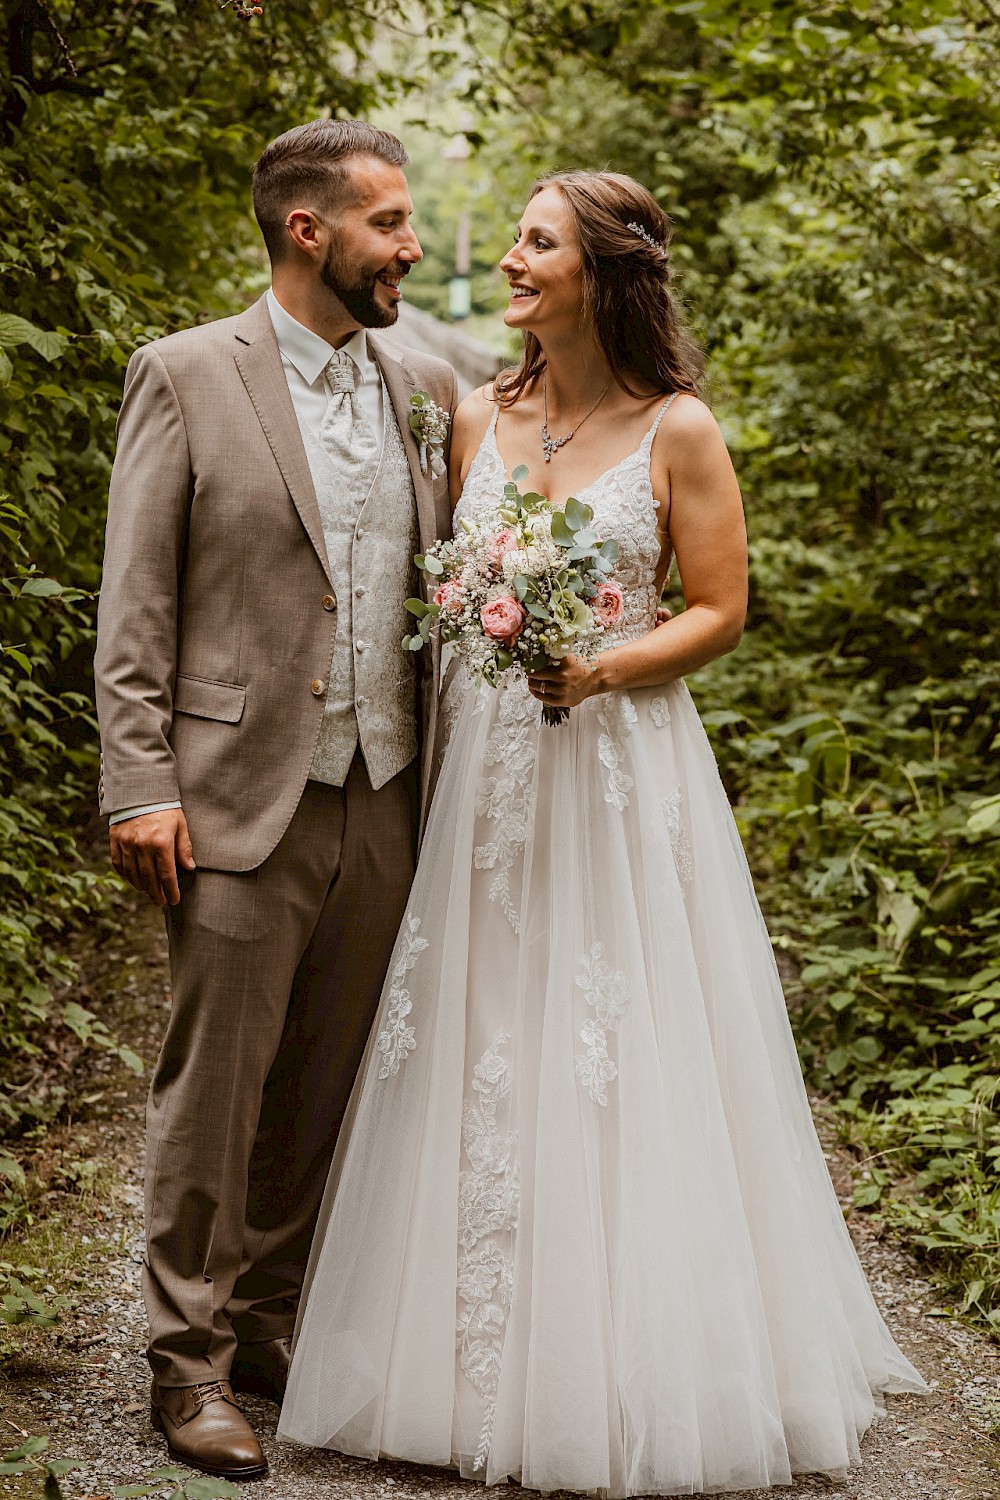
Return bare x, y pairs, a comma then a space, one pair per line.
206, 1429
263, 1368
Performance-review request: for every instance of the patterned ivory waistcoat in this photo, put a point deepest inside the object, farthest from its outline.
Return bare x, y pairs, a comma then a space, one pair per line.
370, 527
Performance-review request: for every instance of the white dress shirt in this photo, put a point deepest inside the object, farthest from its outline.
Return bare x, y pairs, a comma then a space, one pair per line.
304, 357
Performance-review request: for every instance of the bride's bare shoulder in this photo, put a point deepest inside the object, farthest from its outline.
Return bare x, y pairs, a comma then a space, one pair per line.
472, 417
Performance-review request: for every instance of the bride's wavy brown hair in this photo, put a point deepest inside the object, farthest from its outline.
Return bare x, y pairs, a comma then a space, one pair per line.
627, 290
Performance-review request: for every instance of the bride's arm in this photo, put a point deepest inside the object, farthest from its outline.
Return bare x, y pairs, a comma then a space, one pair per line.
467, 432
704, 521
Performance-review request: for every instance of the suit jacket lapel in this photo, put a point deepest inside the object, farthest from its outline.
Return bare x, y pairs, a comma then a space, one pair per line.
259, 363
401, 385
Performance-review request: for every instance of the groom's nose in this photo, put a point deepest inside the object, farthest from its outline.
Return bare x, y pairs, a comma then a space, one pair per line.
410, 248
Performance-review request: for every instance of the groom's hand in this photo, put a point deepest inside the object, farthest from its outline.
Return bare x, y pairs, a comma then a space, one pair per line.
147, 850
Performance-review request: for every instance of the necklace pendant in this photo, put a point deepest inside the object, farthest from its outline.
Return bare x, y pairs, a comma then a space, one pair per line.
551, 445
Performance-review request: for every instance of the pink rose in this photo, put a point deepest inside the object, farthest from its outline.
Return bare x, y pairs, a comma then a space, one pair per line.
503, 620
499, 545
448, 596
608, 604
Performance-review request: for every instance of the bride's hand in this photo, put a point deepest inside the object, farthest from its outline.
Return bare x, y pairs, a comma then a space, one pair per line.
565, 683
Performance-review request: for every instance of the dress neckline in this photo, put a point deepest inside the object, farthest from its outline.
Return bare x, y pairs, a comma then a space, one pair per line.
644, 450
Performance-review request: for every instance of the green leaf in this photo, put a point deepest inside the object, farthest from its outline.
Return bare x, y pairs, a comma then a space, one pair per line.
6, 369
561, 532
132, 1061
29, 1447
578, 515
13, 1171
15, 330
417, 607
210, 1489
520, 473
42, 588
433, 565
16, 654
984, 815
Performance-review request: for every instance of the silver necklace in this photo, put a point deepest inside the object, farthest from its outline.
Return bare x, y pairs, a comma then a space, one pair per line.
550, 444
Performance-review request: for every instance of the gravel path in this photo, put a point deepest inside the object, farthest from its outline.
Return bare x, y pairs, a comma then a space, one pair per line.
85, 1383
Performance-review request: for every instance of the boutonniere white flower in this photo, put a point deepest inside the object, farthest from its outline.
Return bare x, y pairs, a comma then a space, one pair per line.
429, 424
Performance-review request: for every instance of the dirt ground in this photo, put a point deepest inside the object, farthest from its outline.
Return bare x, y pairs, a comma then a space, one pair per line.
84, 1383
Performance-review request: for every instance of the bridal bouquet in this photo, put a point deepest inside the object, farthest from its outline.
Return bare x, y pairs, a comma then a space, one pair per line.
522, 592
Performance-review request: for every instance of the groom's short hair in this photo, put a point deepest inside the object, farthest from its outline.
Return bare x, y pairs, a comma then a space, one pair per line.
313, 162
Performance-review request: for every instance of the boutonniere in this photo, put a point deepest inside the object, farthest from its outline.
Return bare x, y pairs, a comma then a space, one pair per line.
429, 424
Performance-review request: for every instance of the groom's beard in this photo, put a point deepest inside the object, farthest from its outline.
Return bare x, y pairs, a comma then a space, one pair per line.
356, 290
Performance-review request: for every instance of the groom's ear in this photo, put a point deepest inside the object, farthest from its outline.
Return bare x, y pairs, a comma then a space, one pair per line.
303, 227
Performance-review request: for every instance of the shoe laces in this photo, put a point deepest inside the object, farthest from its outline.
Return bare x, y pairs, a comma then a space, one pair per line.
211, 1391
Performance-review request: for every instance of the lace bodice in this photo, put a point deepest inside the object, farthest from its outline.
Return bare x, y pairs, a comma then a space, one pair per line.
624, 508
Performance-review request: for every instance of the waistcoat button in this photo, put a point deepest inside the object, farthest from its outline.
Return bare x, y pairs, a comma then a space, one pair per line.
360, 591
360, 645
329, 602
360, 532
317, 687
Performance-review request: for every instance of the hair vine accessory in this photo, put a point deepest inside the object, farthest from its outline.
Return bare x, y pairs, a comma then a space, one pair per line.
644, 234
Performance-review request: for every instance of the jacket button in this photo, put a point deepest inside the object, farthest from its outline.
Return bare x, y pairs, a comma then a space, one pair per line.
329, 602
317, 687
360, 591
360, 532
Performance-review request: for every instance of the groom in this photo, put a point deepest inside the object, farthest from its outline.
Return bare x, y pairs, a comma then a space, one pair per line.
262, 734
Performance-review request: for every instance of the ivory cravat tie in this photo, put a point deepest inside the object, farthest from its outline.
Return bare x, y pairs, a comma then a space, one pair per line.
345, 432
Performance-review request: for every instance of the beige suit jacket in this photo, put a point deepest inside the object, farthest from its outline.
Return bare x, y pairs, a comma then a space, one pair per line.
215, 617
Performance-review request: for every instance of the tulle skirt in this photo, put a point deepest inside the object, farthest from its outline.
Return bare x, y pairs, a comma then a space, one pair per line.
579, 1229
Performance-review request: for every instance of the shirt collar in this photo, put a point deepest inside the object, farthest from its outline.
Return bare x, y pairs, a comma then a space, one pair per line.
307, 351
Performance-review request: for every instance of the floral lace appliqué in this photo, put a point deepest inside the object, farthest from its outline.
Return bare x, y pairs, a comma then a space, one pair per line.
608, 994
488, 1200
506, 799
677, 833
659, 712
448, 710
616, 717
396, 1039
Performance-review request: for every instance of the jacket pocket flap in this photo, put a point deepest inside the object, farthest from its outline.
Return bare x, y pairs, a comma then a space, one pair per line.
209, 700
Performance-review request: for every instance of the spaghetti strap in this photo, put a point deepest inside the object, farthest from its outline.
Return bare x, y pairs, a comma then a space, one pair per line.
647, 441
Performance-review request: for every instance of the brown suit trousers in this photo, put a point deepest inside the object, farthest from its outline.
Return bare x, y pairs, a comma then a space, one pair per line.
277, 974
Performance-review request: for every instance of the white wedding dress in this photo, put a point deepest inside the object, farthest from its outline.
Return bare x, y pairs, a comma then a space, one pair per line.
579, 1229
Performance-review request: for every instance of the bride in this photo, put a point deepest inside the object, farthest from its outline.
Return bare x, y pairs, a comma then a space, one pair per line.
579, 1229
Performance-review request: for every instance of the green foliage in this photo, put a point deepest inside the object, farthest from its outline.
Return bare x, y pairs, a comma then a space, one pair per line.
184, 1486
31, 1457
18, 1302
